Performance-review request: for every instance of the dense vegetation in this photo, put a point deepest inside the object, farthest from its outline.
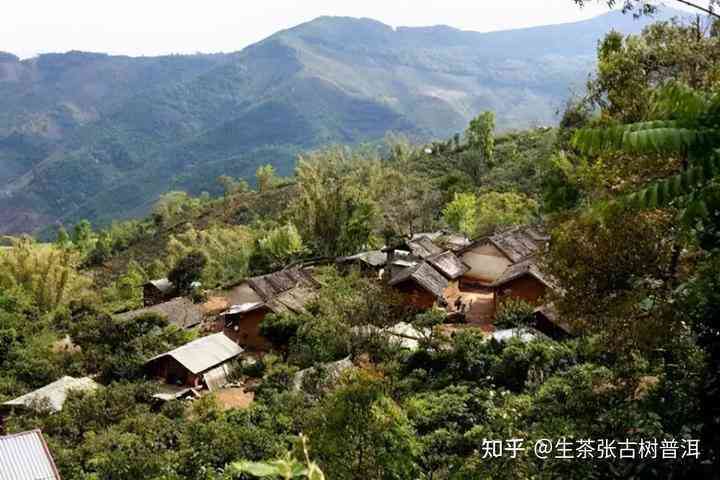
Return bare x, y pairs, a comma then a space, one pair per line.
86, 135
638, 279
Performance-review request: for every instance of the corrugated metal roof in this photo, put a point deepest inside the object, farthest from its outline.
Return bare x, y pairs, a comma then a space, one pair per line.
54, 394
217, 377
162, 284
204, 353
243, 308
523, 334
25, 456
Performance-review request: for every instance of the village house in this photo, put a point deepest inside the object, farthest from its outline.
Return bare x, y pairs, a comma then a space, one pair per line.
423, 272
157, 291
522, 281
500, 266
202, 363
180, 311
26, 456
445, 240
51, 396
279, 292
369, 262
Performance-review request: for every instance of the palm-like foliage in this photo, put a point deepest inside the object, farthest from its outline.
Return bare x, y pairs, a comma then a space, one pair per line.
688, 127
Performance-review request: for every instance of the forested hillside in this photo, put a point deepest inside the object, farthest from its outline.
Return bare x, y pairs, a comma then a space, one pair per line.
405, 310
86, 135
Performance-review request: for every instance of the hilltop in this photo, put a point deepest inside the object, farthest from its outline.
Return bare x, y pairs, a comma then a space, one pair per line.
88, 135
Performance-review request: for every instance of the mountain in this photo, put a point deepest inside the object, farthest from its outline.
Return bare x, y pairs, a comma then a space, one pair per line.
87, 135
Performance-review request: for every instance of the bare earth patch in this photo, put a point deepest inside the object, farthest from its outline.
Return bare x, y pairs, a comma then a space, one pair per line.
234, 398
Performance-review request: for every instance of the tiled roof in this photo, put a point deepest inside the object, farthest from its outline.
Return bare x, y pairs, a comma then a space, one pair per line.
25, 456
181, 312
423, 247
448, 264
518, 243
373, 258
525, 267
273, 284
424, 275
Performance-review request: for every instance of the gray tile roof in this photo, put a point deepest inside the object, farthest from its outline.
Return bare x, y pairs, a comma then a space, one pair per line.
423, 247
373, 258
53, 394
423, 275
525, 267
273, 284
519, 243
25, 456
448, 264
181, 312
204, 353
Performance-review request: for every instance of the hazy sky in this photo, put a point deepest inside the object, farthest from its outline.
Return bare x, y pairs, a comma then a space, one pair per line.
152, 27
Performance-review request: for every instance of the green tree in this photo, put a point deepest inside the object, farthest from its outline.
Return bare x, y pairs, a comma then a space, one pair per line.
188, 270
282, 243
358, 431
333, 208
231, 186
495, 209
481, 135
462, 213
46, 274
83, 237
266, 178
117, 349
62, 240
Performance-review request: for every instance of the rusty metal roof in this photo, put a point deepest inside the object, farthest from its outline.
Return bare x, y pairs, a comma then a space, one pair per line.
26, 456
54, 394
204, 353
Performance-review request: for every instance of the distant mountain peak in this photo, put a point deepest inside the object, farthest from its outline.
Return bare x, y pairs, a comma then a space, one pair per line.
7, 57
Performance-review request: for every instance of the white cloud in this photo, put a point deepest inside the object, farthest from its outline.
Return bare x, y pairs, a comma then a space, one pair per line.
152, 27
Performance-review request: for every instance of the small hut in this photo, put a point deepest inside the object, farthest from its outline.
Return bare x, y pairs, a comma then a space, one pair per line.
202, 362
278, 292
157, 291
51, 396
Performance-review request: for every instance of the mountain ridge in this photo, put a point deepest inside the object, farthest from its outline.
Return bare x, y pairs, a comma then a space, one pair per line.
93, 135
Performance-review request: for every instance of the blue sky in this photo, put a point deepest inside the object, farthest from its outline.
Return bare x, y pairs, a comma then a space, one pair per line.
152, 27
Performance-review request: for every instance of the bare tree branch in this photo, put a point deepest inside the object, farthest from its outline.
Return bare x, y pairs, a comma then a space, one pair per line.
642, 7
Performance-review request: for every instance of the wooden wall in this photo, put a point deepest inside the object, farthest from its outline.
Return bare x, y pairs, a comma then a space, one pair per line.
244, 329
